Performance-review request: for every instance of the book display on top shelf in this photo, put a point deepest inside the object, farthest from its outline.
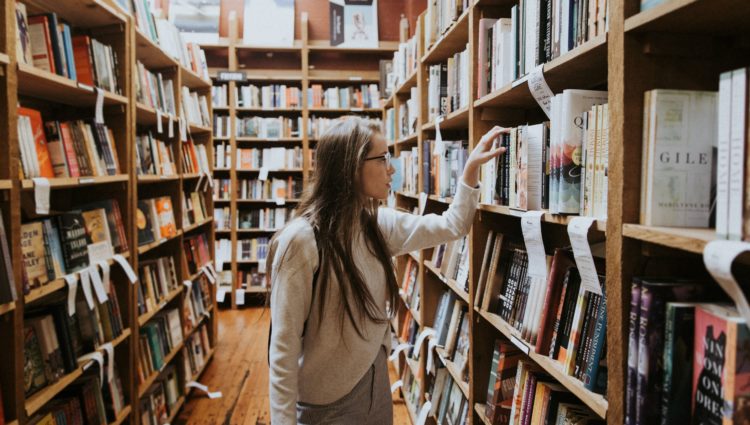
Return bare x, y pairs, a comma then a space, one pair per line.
273, 27
353, 24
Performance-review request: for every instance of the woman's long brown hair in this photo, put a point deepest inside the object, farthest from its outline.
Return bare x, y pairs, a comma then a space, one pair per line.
338, 211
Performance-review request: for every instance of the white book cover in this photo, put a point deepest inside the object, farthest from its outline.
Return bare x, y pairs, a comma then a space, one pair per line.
531, 26
353, 23
737, 152
554, 156
679, 158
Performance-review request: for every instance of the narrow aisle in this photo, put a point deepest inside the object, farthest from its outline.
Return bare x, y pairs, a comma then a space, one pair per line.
240, 371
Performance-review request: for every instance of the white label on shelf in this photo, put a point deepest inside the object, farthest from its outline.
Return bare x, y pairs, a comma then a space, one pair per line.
90, 358
41, 195
520, 344
531, 226
431, 354
170, 132
86, 180
427, 332
72, 281
110, 350
99, 112
86, 286
159, 126
578, 230
280, 201
106, 281
240, 296
438, 147
126, 267
85, 87
221, 294
718, 257
188, 284
263, 176
422, 202
399, 348
204, 389
422, 419
96, 282
540, 90
355, 78
396, 385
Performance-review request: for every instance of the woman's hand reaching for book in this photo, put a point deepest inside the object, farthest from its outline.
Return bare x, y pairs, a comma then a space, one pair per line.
483, 152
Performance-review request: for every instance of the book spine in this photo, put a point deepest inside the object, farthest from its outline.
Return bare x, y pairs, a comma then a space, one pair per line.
633, 330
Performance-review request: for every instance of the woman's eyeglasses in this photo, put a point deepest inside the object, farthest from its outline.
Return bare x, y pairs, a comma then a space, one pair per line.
386, 158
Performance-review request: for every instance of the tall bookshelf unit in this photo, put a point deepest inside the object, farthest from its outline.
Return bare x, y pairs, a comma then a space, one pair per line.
305, 63
61, 98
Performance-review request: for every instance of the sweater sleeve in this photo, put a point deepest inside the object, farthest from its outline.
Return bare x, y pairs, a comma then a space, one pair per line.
294, 263
406, 232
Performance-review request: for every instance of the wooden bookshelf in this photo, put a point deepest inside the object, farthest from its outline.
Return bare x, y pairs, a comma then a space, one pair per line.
123, 416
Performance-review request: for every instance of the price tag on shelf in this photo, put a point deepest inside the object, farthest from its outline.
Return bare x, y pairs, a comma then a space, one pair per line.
159, 126
399, 348
72, 281
422, 419
263, 176
578, 230
86, 180
718, 257
396, 385
86, 286
540, 90
126, 267
204, 389
438, 147
99, 112
110, 350
41, 195
355, 78
531, 226
239, 295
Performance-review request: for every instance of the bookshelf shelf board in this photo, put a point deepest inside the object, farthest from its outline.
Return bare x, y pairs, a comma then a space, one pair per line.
221, 43
343, 76
449, 282
266, 201
408, 195
346, 110
408, 140
505, 3
192, 80
151, 54
255, 231
388, 103
583, 67
199, 129
479, 409
42, 397
7, 307
257, 290
247, 261
257, 110
439, 199
405, 87
599, 225
122, 416
453, 41
296, 46
45, 85
596, 402
269, 140
325, 46
223, 201
146, 115
144, 318
693, 17
191, 176
144, 386
175, 409
4, 59
414, 256
457, 119
453, 370
205, 365
198, 225
278, 75
224, 231
257, 170
150, 179
148, 247
6, 184
683, 238
79, 13
54, 286
220, 108
77, 182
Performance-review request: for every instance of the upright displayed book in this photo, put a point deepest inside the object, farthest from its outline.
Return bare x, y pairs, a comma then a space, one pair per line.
353, 24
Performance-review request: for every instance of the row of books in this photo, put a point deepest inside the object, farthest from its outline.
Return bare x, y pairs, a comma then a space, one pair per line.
158, 338
220, 96
389, 126
451, 324
69, 242
272, 96
157, 280
154, 90
520, 392
223, 219
65, 149
440, 16
197, 252
403, 65
54, 341
158, 402
255, 249
87, 400
194, 208
195, 108
252, 278
154, 157
196, 351
156, 220
269, 189
223, 250
268, 128
448, 85
449, 404
408, 114
442, 166
265, 218
410, 388
8, 287
363, 96
410, 285
222, 189
197, 303
558, 317
46, 42
406, 175
452, 261
270, 158
194, 158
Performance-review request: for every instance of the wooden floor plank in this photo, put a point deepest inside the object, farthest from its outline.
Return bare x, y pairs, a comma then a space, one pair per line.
240, 371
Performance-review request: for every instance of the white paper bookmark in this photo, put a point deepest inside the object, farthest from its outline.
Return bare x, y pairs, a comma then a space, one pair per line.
99, 112
239, 296
72, 281
396, 385
110, 350
422, 419
41, 195
86, 286
126, 267
221, 294
171, 127
210, 267
96, 282
96, 356
531, 226
263, 176
203, 388
210, 180
430, 354
427, 332
187, 283
183, 136
422, 202
106, 281
399, 348
438, 147
578, 230
718, 257
159, 126
540, 90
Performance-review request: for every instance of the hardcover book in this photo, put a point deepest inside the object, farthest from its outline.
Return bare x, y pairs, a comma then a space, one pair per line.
34, 255
75, 240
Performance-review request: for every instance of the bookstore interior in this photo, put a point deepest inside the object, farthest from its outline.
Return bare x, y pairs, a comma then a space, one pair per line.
590, 289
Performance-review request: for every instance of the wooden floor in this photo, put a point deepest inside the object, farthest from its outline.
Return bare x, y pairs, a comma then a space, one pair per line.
239, 370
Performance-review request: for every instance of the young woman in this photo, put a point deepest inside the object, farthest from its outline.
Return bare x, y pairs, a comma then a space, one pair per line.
333, 280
